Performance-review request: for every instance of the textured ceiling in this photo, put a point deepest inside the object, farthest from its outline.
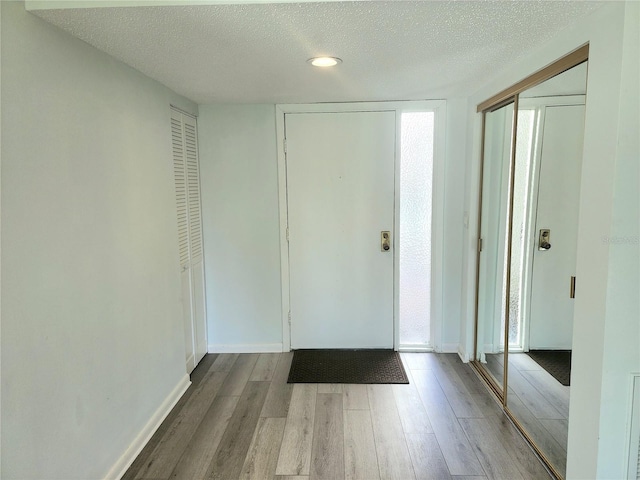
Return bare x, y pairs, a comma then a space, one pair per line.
393, 50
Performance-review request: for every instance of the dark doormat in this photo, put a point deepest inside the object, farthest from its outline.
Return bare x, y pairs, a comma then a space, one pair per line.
556, 362
346, 366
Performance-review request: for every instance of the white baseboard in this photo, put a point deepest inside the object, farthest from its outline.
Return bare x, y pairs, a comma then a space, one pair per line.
127, 458
414, 348
246, 348
449, 348
190, 363
488, 348
463, 354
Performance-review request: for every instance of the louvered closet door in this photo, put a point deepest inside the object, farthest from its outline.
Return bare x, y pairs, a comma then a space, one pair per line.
196, 258
187, 188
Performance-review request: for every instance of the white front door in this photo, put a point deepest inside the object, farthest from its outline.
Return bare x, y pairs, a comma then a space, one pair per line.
340, 196
551, 312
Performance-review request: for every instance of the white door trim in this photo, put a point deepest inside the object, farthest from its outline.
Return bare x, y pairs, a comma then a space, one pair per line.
437, 241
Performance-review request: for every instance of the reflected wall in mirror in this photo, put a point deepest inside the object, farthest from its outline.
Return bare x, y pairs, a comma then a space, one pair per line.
498, 134
548, 157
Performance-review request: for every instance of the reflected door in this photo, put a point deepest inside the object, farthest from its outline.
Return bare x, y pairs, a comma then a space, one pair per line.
551, 322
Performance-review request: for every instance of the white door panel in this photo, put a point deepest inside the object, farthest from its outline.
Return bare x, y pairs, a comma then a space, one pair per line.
184, 136
551, 323
185, 278
340, 177
199, 315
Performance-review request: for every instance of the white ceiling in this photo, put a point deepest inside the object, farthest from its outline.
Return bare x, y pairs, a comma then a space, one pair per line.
256, 53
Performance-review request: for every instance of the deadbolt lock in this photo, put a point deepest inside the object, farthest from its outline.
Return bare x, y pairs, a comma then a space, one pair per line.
543, 239
385, 241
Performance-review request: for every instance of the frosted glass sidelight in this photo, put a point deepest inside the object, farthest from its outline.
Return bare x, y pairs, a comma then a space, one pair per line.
416, 171
524, 154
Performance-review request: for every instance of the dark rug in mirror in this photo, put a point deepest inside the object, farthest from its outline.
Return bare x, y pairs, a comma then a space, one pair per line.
347, 366
556, 362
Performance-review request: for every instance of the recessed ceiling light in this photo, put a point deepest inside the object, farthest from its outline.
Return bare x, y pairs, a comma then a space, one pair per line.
324, 61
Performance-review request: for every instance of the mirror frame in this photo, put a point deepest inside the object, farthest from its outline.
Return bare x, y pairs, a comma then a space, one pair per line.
498, 389
506, 96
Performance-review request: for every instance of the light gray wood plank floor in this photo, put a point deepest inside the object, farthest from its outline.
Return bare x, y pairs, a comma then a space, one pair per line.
539, 402
241, 420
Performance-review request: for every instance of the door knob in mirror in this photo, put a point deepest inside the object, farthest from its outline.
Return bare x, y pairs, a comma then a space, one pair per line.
543, 239
385, 241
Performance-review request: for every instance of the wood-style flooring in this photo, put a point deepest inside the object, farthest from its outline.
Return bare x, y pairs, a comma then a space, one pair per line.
241, 420
539, 402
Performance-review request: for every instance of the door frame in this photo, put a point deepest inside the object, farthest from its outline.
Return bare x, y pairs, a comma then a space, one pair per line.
437, 219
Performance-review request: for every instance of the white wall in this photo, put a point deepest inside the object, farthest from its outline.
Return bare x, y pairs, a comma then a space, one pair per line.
92, 338
594, 309
239, 178
622, 324
238, 159
455, 159
0, 237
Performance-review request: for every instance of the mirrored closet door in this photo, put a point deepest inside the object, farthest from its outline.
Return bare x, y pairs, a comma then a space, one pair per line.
532, 154
497, 146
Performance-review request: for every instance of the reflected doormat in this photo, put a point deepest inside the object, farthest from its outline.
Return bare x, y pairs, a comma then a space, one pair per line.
347, 366
556, 362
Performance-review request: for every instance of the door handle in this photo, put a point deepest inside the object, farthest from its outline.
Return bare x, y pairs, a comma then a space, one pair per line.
385, 241
543, 239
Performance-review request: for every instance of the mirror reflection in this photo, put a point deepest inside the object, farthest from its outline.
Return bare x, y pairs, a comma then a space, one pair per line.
549, 138
498, 130
526, 268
